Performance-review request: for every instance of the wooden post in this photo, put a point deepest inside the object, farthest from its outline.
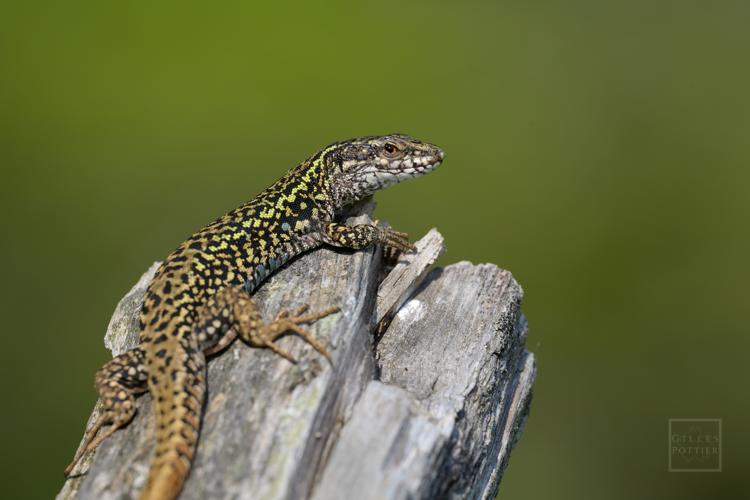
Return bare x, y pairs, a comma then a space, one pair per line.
428, 391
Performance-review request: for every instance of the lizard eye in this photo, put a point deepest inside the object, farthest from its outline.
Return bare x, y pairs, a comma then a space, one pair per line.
390, 149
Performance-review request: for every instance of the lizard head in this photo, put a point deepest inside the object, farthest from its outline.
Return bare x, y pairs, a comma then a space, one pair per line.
359, 167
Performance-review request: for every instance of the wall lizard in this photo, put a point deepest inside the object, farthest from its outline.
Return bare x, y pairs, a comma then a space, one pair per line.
200, 299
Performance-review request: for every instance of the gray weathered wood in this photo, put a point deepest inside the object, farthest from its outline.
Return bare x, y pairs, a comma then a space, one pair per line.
406, 276
451, 395
454, 389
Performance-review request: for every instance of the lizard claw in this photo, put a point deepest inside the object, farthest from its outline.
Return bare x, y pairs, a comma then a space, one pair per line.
396, 240
285, 313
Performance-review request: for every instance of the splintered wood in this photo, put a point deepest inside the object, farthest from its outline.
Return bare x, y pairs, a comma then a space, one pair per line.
432, 411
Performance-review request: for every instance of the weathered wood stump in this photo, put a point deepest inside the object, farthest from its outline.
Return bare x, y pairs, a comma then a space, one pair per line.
428, 391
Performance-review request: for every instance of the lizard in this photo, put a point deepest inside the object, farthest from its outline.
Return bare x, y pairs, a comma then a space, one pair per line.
200, 298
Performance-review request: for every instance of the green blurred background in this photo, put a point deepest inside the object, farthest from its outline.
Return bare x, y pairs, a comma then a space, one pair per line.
598, 150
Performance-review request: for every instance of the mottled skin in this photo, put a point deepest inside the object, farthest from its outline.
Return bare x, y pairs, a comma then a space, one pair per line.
200, 298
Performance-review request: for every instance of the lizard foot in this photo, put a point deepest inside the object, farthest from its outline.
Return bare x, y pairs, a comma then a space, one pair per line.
286, 323
396, 240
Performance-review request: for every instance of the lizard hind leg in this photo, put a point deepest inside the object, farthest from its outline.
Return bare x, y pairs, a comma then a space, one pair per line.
267, 333
253, 330
232, 306
117, 382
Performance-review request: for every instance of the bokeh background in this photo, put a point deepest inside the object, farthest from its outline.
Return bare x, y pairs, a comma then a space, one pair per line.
598, 150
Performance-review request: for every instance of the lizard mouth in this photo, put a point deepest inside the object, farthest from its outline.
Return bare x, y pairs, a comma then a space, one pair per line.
417, 165
395, 171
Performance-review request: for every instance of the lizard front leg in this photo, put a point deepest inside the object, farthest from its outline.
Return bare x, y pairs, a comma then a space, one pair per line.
363, 235
231, 312
117, 383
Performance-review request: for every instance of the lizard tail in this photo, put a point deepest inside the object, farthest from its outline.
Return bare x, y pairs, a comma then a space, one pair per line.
178, 401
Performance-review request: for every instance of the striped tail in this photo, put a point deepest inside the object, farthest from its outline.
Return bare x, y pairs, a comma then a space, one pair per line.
178, 399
